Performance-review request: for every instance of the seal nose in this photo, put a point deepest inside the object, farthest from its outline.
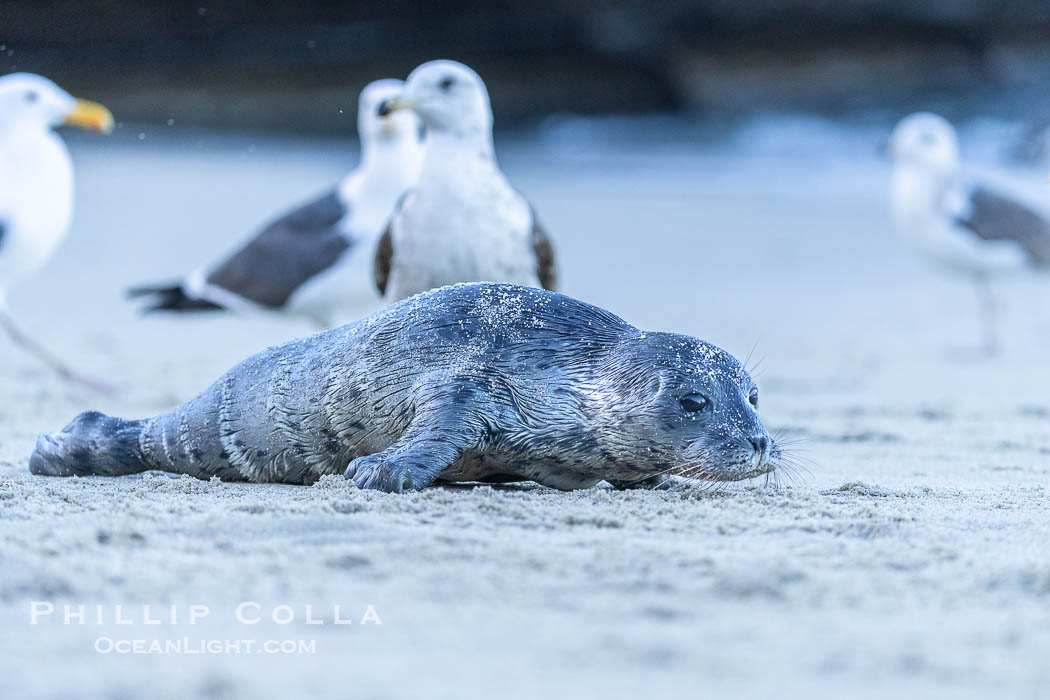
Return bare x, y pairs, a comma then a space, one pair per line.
761, 444
761, 454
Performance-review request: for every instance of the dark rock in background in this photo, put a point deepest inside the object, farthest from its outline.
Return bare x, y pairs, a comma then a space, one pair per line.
298, 66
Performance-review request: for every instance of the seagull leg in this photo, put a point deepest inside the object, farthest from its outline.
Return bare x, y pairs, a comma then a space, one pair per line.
35, 348
991, 345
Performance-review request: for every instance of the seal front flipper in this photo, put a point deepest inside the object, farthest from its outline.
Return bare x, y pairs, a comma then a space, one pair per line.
437, 437
380, 471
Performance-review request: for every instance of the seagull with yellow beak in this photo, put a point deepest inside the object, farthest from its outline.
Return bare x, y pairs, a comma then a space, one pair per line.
36, 186
463, 221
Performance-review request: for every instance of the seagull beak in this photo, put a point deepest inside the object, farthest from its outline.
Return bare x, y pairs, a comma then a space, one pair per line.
91, 116
392, 104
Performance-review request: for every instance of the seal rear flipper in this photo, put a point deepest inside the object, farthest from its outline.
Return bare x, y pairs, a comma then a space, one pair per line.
93, 443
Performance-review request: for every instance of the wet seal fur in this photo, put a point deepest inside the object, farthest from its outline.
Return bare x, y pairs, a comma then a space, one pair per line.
473, 382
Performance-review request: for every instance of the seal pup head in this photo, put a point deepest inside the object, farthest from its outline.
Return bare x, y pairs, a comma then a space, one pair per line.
677, 405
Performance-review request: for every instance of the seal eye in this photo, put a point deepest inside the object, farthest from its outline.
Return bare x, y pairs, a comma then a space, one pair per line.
694, 402
752, 398
446, 83
32, 96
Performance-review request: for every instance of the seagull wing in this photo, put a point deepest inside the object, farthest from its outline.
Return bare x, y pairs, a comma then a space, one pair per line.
287, 253
995, 217
546, 265
385, 248
384, 254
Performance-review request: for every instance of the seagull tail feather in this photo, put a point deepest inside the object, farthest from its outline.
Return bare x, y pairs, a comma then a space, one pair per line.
170, 298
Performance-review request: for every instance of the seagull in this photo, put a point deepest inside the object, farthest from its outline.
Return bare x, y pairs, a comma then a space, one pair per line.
462, 222
315, 259
962, 224
36, 188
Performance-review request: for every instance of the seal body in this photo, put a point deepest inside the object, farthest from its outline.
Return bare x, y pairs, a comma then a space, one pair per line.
473, 382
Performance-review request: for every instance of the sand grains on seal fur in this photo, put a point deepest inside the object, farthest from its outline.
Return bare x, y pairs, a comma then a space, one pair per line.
472, 382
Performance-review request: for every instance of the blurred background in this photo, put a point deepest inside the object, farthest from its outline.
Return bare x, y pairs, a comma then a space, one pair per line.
743, 131
298, 66
704, 167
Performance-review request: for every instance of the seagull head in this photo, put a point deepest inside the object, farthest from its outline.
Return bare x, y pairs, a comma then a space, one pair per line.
391, 126
927, 141
448, 96
28, 99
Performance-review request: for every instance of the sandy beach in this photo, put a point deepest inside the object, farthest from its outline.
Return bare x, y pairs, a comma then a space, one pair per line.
913, 558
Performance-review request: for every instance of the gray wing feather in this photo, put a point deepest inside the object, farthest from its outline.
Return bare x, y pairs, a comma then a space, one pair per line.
287, 253
994, 217
385, 248
384, 255
546, 265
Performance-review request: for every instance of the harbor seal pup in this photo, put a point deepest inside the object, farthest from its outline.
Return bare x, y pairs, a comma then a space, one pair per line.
473, 382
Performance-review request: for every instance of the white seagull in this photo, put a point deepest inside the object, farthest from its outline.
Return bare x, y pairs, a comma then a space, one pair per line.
463, 222
316, 259
961, 223
36, 186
